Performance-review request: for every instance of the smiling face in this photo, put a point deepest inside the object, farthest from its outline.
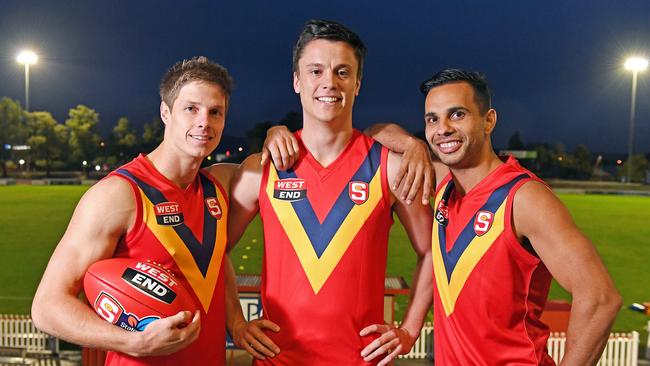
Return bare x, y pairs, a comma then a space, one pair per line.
456, 130
327, 80
195, 122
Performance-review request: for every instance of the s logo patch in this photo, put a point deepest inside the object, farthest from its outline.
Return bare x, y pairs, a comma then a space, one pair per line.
483, 222
213, 207
290, 189
108, 308
358, 192
112, 311
442, 213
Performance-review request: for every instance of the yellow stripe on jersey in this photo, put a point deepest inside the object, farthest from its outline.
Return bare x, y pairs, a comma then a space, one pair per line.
449, 291
203, 286
318, 269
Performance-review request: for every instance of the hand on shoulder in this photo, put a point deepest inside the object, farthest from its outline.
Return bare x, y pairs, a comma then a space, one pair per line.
281, 146
411, 172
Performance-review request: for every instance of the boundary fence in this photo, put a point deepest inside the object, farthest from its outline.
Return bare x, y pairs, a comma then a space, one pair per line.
622, 349
18, 333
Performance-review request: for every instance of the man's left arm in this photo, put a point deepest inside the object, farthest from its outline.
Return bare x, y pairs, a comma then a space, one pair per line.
242, 183
417, 220
569, 255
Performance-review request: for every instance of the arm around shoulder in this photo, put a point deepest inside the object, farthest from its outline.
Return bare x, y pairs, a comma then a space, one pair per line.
415, 169
244, 195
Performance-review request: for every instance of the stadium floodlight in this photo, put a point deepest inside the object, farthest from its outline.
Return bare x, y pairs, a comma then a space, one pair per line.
27, 58
634, 64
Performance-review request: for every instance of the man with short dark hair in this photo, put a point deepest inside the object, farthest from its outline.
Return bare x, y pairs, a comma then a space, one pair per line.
326, 224
499, 236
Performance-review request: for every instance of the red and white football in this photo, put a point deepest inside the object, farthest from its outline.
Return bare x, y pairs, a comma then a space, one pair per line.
131, 293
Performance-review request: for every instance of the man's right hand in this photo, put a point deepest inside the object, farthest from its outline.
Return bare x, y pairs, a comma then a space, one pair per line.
168, 335
250, 336
416, 170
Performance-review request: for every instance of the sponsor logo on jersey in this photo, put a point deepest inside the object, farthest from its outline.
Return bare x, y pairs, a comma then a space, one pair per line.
442, 213
483, 222
358, 192
213, 207
290, 189
151, 283
113, 312
168, 213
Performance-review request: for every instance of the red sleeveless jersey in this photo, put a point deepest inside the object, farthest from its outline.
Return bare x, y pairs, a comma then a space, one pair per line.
325, 239
489, 291
191, 242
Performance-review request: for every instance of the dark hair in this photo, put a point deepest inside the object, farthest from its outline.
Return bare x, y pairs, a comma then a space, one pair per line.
197, 68
475, 79
331, 31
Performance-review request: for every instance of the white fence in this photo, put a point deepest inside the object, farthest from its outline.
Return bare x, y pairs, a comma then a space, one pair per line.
622, 349
647, 348
423, 347
18, 331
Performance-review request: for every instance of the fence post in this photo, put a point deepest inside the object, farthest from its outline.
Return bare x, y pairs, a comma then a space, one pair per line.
647, 347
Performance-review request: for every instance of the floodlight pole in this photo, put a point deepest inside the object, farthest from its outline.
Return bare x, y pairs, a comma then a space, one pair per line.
630, 142
634, 64
27, 86
27, 58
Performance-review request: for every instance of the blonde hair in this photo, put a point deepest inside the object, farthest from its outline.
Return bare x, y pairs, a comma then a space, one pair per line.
198, 68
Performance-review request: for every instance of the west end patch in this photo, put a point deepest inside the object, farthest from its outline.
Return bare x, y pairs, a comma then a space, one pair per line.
168, 214
290, 189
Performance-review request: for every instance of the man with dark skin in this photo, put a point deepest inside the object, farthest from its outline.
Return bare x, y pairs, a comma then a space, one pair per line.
498, 237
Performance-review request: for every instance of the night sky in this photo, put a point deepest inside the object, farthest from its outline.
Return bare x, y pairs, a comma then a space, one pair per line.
555, 67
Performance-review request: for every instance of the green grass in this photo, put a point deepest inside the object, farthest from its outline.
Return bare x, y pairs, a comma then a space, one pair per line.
33, 218
619, 227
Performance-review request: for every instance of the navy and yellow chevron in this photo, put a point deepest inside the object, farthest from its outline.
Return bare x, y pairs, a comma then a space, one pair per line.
320, 246
451, 269
199, 261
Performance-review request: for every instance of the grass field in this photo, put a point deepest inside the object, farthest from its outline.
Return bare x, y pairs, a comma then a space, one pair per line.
33, 218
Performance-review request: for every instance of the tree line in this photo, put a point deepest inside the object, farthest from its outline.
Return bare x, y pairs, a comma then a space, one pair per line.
554, 161
48, 145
